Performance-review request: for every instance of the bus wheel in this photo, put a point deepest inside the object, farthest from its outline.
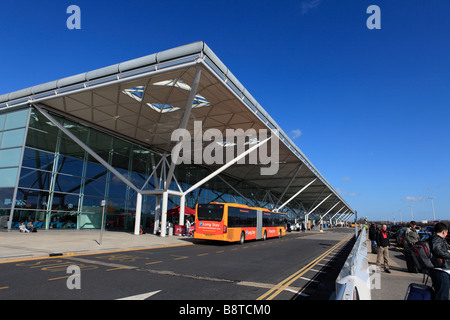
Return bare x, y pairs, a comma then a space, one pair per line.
242, 240
265, 236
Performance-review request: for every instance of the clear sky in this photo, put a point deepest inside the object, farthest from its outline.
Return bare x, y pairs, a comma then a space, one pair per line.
369, 108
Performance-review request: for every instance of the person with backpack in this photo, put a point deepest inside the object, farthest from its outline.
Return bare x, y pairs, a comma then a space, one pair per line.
383, 248
441, 260
411, 236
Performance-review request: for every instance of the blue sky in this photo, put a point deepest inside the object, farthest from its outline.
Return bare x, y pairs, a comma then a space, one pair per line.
369, 108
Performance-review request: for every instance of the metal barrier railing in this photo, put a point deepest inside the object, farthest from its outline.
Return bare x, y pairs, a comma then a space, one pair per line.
353, 282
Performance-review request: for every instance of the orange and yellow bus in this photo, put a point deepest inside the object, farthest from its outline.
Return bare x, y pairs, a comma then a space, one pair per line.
237, 222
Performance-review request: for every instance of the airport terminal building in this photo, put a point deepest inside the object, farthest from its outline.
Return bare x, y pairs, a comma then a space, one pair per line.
115, 134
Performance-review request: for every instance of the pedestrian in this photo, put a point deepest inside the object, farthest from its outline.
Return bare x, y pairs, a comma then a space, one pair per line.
383, 248
22, 228
188, 226
441, 260
373, 237
411, 236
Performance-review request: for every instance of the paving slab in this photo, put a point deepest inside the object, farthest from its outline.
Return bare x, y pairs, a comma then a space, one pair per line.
393, 286
15, 245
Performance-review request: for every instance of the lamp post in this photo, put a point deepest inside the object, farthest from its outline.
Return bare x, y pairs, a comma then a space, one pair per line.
412, 217
103, 204
432, 206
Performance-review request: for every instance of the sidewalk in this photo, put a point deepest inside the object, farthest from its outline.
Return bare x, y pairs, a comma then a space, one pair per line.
15, 245
395, 284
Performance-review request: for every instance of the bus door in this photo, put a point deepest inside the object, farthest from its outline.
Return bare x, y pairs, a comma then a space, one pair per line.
259, 220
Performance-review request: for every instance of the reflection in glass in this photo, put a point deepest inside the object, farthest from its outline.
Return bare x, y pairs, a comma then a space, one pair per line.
8, 177
38, 159
6, 195
12, 138
35, 179
16, 119
10, 157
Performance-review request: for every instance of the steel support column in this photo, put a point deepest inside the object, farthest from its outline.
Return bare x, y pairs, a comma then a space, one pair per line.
226, 166
183, 125
295, 195
137, 220
321, 219
288, 185
311, 211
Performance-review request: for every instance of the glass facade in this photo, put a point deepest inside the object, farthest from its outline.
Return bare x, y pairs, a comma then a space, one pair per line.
12, 133
61, 186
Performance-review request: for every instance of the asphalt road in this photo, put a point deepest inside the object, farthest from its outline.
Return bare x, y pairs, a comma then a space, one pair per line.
298, 266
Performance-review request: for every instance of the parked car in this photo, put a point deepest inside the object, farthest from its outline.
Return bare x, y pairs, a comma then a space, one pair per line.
400, 237
393, 230
428, 229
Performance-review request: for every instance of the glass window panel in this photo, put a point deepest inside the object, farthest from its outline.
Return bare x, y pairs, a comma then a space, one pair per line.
41, 140
92, 204
35, 179
70, 184
10, 157
8, 177
120, 161
2, 121
31, 199
16, 119
65, 202
95, 187
12, 138
139, 179
6, 195
80, 131
70, 148
140, 159
116, 205
38, 159
69, 165
95, 170
122, 147
100, 143
38, 121
117, 190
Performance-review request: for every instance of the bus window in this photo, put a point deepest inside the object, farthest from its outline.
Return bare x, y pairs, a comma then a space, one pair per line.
210, 212
241, 217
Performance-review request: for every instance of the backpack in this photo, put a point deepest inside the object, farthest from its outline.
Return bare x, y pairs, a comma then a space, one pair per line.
421, 250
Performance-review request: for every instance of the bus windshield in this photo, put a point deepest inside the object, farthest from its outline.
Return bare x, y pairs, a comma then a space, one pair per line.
210, 212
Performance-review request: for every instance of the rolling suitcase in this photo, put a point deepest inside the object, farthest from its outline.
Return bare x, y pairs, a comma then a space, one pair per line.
418, 291
374, 247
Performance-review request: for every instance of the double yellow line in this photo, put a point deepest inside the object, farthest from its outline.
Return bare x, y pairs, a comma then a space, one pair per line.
277, 289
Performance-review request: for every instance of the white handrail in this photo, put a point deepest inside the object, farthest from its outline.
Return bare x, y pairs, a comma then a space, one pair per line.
353, 282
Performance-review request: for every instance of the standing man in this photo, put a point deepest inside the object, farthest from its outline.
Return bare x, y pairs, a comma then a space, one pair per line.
383, 245
411, 235
441, 259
